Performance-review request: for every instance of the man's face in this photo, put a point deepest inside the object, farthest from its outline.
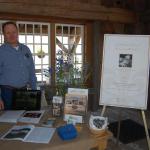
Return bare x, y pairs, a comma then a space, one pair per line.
11, 34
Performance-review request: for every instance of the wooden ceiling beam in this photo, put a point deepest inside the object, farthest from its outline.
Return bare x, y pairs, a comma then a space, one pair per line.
68, 10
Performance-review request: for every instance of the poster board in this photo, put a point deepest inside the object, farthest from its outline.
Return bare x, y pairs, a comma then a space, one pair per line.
125, 71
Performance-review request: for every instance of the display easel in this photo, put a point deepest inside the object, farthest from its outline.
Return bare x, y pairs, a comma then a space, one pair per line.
144, 121
124, 79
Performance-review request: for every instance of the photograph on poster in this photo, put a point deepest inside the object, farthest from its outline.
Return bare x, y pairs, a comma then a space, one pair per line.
125, 60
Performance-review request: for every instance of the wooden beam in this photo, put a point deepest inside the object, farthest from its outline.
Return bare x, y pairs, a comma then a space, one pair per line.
68, 9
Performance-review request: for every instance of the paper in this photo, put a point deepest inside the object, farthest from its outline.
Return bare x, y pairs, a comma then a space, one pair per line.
11, 116
40, 135
31, 116
30, 133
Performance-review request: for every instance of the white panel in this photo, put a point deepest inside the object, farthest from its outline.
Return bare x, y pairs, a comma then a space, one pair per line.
125, 71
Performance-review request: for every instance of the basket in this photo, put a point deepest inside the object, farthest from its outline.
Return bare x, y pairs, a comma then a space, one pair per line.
98, 125
98, 132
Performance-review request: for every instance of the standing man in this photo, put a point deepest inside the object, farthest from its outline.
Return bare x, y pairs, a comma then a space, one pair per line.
17, 70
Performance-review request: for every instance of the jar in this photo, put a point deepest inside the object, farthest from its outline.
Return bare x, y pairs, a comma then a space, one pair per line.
57, 104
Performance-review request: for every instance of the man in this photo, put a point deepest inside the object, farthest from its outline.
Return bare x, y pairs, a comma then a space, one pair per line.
17, 70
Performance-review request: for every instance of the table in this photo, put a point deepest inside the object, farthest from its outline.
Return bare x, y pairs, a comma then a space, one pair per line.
84, 141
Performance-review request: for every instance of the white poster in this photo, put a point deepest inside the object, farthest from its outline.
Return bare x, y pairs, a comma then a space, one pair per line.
125, 71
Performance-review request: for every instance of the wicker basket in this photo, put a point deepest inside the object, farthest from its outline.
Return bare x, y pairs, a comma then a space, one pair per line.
98, 132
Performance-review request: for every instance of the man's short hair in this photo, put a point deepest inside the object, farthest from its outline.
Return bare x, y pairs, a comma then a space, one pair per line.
8, 23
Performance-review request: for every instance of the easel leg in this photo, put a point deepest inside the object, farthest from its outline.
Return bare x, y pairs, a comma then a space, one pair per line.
146, 129
103, 110
119, 124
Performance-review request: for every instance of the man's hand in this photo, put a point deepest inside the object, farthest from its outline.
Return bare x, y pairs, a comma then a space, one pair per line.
1, 105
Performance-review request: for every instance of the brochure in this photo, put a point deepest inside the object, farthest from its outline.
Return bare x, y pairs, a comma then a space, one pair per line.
31, 116
75, 107
11, 116
29, 133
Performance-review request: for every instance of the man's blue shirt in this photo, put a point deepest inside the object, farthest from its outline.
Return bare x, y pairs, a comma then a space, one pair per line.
16, 66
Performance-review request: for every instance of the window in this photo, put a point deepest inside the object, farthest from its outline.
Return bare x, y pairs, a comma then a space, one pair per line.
69, 45
69, 52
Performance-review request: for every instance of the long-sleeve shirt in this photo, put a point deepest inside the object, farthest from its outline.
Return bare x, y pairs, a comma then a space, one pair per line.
16, 66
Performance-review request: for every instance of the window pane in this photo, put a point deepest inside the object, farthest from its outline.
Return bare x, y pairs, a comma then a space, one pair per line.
79, 66
45, 60
29, 28
45, 29
30, 47
37, 60
45, 66
22, 28
45, 39
37, 39
78, 30
65, 40
71, 40
78, 59
57, 49
29, 38
59, 38
79, 39
37, 29
78, 49
58, 30
37, 48
65, 30
39, 77
21, 38
38, 67
72, 30
45, 48
66, 47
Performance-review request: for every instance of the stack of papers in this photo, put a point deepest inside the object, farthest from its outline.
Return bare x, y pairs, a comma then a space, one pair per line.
14, 116
11, 116
31, 116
